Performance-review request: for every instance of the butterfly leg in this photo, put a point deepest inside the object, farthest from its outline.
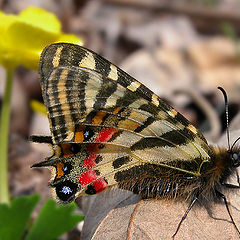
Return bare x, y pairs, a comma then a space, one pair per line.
238, 180
184, 216
219, 194
227, 185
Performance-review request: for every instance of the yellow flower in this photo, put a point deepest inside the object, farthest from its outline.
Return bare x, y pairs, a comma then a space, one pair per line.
24, 36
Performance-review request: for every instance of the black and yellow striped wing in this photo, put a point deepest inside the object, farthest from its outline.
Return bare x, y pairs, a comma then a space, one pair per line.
109, 129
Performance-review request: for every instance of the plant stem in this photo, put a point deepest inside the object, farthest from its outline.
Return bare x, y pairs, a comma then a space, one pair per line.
4, 130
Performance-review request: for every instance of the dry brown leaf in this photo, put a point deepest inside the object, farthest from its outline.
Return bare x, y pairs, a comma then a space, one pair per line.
122, 218
97, 207
158, 219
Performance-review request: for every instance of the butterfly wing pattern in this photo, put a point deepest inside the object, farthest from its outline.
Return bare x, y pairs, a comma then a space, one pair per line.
108, 129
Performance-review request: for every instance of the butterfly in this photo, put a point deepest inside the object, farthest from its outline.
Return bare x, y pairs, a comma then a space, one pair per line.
108, 129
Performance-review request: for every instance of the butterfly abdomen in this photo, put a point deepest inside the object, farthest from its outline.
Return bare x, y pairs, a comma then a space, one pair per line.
158, 183
153, 181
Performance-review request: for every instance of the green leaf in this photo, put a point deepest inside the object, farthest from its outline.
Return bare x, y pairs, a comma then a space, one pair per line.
14, 218
53, 221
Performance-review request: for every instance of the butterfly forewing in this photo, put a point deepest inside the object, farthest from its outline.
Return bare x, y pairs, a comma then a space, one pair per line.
106, 126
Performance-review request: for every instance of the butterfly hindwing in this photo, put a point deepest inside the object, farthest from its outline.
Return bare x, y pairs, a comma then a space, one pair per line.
105, 123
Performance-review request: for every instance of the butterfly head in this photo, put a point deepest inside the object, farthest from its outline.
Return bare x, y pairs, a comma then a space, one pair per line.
234, 152
235, 159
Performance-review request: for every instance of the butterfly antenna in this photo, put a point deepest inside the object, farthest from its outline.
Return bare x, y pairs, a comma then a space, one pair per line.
234, 143
227, 116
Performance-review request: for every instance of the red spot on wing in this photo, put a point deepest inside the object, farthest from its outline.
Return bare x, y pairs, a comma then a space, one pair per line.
90, 161
104, 136
100, 185
90, 176
92, 147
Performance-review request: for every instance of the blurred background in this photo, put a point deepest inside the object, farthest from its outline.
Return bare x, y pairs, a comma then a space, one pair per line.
182, 50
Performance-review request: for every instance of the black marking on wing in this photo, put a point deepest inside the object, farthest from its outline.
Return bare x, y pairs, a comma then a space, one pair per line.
98, 159
84, 76
170, 139
41, 139
66, 190
127, 99
106, 90
117, 163
102, 66
90, 190
69, 92
150, 142
178, 137
89, 117
150, 108
179, 118
57, 106
148, 122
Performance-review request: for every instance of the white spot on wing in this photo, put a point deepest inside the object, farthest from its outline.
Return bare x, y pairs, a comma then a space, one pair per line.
56, 58
112, 100
134, 86
172, 112
88, 61
155, 100
192, 128
113, 74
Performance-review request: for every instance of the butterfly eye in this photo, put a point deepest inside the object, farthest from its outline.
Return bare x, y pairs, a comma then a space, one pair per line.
66, 190
236, 160
88, 133
235, 156
75, 148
